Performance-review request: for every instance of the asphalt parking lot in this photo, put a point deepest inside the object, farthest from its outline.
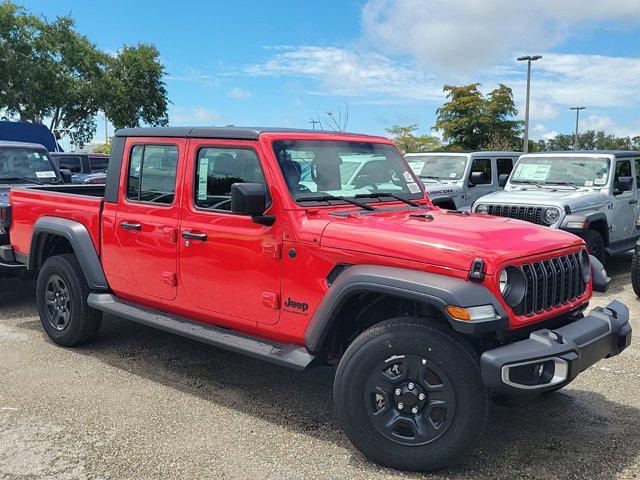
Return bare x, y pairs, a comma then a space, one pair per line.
143, 404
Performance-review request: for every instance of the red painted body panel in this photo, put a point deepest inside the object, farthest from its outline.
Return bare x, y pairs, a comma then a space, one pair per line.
234, 279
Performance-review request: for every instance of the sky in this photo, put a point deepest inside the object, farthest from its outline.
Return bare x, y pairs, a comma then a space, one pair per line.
284, 63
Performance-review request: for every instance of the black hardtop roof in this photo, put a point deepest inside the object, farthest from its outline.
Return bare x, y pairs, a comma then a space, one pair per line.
233, 133
615, 153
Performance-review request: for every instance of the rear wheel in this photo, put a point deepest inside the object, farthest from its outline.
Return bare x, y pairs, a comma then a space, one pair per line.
595, 245
409, 395
635, 273
61, 297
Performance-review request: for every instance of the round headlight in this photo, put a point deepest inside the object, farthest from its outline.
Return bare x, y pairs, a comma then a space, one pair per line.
551, 215
513, 285
503, 281
483, 209
585, 265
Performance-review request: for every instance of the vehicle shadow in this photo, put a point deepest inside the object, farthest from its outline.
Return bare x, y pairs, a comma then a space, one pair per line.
17, 297
562, 435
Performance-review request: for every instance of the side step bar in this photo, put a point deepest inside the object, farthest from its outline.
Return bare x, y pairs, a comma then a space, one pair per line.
286, 355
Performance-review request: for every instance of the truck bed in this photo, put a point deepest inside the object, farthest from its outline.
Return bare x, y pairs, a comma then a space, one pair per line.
82, 203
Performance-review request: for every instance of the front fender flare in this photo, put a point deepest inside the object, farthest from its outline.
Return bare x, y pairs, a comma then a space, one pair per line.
586, 216
79, 238
433, 289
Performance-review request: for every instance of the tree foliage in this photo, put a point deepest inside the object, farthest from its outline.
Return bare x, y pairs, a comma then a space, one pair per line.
589, 140
50, 72
469, 120
406, 140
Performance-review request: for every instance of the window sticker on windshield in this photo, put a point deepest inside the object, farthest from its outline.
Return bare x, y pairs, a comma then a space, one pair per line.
588, 183
407, 177
202, 178
48, 174
452, 175
600, 181
36, 154
413, 187
532, 172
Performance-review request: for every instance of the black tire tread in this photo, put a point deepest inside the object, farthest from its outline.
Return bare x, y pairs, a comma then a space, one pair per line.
635, 273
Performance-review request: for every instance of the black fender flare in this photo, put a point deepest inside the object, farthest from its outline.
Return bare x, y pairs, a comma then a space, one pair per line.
79, 238
430, 288
438, 200
588, 217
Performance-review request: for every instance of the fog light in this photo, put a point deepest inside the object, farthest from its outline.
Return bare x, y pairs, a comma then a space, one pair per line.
536, 374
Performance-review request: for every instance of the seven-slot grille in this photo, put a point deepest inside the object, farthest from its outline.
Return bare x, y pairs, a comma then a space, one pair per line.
529, 214
551, 283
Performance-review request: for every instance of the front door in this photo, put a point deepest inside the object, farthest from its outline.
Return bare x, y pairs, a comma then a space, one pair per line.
229, 265
624, 204
478, 190
147, 217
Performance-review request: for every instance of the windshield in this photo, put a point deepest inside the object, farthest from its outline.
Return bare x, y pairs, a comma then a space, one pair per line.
20, 165
576, 171
441, 167
343, 169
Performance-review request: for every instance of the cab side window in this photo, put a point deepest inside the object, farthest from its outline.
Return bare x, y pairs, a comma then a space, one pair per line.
482, 165
637, 160
73, 164
217, 169
504, 166
623, 169
152, 173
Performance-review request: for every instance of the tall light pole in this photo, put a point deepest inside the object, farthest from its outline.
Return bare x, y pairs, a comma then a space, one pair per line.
529, 59
577, 109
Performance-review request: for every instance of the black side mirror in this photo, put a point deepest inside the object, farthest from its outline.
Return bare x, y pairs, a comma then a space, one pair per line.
502, 179
66, 175
251, 199
476, 178
623, 184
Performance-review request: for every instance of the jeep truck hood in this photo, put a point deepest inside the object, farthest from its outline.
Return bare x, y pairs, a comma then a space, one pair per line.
446, 239
576, 199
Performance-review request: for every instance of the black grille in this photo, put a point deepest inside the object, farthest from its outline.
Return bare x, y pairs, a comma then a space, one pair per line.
551, 283
529, 214
336, 271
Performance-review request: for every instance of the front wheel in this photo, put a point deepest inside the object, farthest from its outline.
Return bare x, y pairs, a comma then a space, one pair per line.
409, 395
595, 245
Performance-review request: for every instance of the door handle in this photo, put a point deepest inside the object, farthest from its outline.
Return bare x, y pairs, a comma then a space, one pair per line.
194, 236
131, 226
633, 202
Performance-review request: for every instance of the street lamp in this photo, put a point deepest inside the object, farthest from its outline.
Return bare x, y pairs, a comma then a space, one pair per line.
577, 109
529, 59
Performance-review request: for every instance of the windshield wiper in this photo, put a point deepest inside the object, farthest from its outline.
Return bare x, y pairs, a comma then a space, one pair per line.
391, 195
430, 177
27, 180
327, 197
564, 184
526, 182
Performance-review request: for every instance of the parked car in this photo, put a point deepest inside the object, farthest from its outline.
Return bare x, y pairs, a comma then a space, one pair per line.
209, 233
454, 180
21, 164
593, 194
85, 168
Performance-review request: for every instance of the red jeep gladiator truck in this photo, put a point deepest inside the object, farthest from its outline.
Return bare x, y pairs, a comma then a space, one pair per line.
306, 248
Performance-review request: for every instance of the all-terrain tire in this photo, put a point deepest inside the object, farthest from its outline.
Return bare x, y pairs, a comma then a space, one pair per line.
443, 358
61, 298
595, 245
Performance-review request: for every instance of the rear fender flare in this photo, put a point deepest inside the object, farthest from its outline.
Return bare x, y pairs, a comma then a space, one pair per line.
79, 238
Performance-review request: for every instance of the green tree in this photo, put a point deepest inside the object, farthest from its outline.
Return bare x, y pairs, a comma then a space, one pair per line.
470, 121
49, 72
589, 140
406, 140
135, 90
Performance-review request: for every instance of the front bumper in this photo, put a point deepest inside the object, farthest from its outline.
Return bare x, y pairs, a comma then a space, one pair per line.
550, 359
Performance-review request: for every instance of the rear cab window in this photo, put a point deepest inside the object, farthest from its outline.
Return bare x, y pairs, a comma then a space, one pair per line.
98, 164
71, 163
152, 173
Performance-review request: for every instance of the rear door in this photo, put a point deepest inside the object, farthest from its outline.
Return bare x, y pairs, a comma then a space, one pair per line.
504, 166
229, 265
148, 214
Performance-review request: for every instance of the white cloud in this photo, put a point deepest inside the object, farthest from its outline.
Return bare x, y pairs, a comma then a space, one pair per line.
238, 93
195, 76
463, 35
194, 116
598, 121
349, 73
